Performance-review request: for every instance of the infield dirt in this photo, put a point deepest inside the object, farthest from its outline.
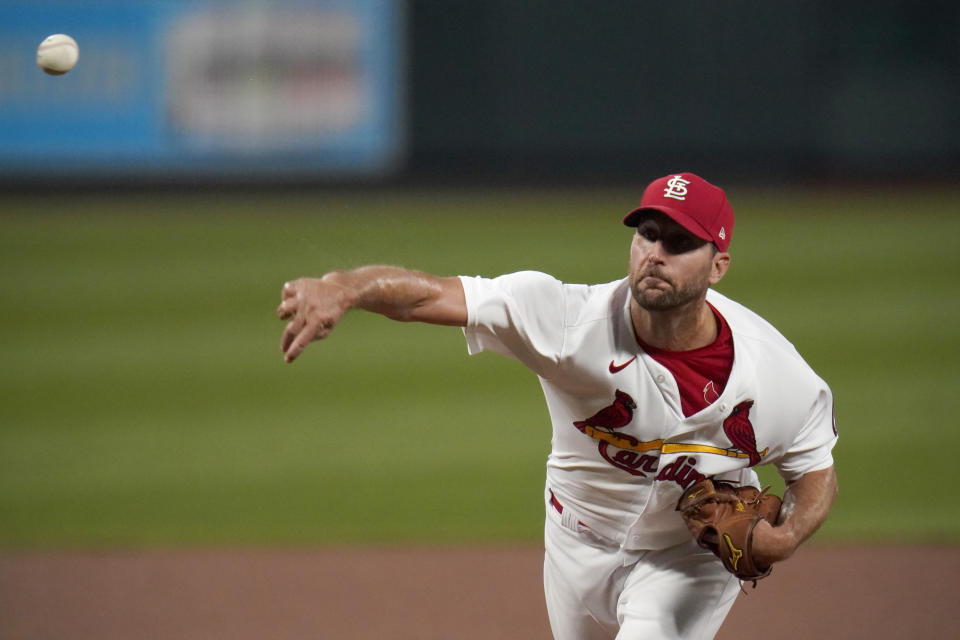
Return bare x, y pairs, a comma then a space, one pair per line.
424, 594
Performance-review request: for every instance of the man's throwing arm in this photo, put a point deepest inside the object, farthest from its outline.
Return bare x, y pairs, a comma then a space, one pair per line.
314, 306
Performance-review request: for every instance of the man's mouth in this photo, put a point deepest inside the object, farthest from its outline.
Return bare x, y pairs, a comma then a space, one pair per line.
654, 279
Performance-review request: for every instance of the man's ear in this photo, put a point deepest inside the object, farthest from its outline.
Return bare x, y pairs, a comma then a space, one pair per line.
721, 262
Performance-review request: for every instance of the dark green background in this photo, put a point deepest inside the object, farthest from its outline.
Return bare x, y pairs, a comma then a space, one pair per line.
546, 89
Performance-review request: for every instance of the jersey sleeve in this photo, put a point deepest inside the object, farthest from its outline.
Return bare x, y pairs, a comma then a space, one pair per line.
812, 449
520, 315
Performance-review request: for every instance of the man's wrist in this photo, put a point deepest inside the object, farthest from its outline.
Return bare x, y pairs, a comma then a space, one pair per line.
773, 543
347, 291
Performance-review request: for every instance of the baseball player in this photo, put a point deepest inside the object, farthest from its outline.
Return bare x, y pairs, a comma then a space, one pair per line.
653, 383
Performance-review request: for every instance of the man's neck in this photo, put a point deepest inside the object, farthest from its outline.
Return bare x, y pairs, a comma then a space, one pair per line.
691, 326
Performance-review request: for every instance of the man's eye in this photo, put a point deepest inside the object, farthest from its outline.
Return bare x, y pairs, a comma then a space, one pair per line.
650, 234
677, 244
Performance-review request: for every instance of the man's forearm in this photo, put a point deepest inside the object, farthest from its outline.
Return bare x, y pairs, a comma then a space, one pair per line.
401, 294
806, 504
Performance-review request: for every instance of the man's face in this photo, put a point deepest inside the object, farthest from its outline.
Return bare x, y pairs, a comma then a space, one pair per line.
669, 266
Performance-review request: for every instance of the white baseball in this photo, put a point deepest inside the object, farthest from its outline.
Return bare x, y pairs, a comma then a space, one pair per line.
57, 54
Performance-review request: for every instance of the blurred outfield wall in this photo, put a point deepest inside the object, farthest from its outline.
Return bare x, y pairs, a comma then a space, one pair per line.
738, 88
533, 91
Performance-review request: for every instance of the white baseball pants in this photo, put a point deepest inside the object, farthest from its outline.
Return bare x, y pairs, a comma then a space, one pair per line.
597, 591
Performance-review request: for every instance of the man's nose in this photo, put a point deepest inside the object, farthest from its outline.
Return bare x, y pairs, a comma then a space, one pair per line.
657, 251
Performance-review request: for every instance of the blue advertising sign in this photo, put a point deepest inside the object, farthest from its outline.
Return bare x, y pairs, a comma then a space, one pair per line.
203, 87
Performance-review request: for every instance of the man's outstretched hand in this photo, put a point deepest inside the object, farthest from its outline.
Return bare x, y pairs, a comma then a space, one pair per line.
313, 306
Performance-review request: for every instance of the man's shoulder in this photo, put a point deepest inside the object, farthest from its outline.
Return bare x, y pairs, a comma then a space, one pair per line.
521, 282
764, 343
591, 302
525, 277
601, 290
518, 285
746, 323
581, 303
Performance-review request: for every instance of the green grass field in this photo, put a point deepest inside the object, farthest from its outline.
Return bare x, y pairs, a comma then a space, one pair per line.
144, 399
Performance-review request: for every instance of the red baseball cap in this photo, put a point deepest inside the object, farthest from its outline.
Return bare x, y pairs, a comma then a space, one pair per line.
698, 206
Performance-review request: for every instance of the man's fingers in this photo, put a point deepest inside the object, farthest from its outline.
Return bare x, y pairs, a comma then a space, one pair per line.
286, 309
299, 342
288, 300
298, 334
306, 308
295, 349
292, 330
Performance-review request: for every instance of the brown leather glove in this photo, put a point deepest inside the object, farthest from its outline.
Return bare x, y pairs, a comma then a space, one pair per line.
722, 517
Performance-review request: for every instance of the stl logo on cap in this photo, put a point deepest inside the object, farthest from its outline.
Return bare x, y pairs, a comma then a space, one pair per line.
676, 188
698, 206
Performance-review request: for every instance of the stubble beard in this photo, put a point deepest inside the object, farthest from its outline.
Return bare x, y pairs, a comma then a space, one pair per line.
671, 298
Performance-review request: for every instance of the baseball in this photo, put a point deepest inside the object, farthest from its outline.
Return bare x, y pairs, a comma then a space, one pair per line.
57, 54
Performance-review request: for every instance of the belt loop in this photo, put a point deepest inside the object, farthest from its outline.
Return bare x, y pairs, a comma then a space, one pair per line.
568, 518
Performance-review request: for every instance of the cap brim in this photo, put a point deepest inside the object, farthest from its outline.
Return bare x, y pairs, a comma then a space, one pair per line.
685, 221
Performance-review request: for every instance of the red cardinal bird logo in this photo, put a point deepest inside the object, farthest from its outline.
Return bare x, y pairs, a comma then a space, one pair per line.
737, 427
619, 414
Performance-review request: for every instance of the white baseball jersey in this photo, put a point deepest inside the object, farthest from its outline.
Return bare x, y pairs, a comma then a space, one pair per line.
622, 450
